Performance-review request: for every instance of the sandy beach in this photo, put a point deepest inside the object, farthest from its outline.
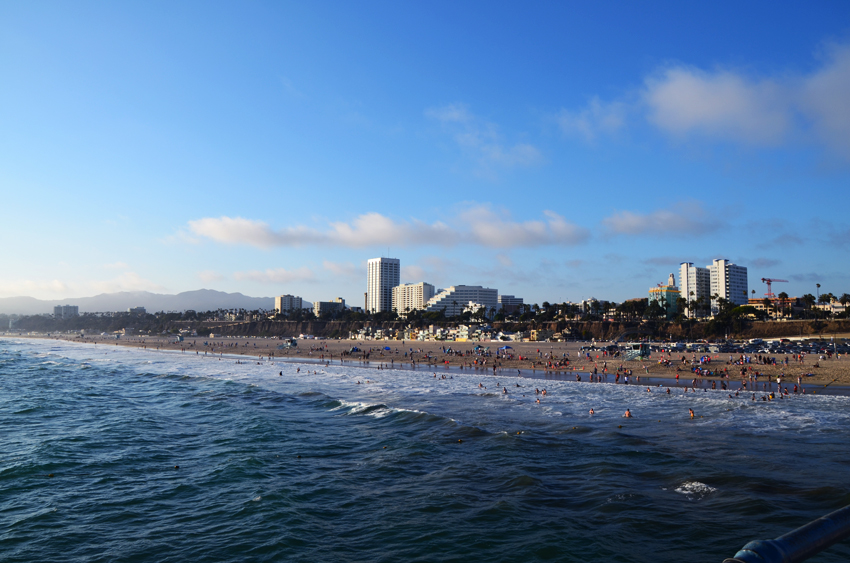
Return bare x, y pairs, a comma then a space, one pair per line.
529, 357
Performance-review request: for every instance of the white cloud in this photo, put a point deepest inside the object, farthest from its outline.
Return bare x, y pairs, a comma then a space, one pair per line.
413, 274
278, 275
452, 113
720, 104
481, 140
824, 98
477, 225
236, 229
56, 289
733, 105
681, 218
16, 288
488, 228
505, 260
345, 270
128, 281
598, 118
210, 276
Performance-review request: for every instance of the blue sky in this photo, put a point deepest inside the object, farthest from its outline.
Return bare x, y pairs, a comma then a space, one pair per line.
555, 152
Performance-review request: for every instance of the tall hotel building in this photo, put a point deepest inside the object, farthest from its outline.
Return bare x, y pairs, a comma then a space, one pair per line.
721, 277
382, 276
728, 281
694, 282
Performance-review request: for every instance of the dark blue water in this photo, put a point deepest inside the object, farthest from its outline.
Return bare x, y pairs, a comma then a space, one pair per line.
404, 467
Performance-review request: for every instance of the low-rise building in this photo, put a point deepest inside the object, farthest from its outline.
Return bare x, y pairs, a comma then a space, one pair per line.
666, 296
336, 305
452, 300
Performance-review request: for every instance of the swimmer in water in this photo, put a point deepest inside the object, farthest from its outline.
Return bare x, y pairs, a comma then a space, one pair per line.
692, 412
504, 390
538, 401
591, 411
627, 414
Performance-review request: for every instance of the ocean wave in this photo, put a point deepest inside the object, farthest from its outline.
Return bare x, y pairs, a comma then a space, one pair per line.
694, 490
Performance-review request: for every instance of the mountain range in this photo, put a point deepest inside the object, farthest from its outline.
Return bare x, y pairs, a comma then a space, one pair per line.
198, 300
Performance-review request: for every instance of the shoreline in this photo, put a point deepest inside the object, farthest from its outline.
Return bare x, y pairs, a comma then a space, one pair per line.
429, 356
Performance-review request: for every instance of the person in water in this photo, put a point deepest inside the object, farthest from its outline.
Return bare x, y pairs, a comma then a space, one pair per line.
627, 414
591, 411
692, 412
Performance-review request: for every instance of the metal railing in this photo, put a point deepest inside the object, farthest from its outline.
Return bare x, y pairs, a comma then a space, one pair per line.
800, 544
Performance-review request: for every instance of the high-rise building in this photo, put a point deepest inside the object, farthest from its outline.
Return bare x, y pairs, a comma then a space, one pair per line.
453, 299
382, 276
411, 296
694, 283
509, 304
66, 311
287, 303
728, 281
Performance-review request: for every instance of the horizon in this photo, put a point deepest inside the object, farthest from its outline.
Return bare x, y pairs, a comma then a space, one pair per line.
555, 153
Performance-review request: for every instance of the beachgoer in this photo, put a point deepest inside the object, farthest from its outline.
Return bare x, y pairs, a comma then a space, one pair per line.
627, 414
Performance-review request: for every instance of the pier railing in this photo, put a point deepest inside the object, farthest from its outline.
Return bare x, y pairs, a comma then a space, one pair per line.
800, 544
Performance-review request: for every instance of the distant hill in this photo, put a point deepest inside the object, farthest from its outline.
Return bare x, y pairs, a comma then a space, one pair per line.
198, 300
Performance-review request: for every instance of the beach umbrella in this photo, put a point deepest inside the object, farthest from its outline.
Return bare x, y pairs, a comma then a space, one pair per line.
387, 348
506, 348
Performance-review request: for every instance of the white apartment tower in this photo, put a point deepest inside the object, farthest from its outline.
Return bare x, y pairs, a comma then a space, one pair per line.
382, 276
728, 281
694, 283
411, 296
286, 303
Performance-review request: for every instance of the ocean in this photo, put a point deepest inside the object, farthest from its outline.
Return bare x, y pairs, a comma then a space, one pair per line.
126, 455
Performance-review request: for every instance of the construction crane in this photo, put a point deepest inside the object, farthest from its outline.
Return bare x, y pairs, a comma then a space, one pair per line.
769, 281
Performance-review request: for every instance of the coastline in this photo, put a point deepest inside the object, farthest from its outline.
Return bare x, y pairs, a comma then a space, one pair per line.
832, 377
